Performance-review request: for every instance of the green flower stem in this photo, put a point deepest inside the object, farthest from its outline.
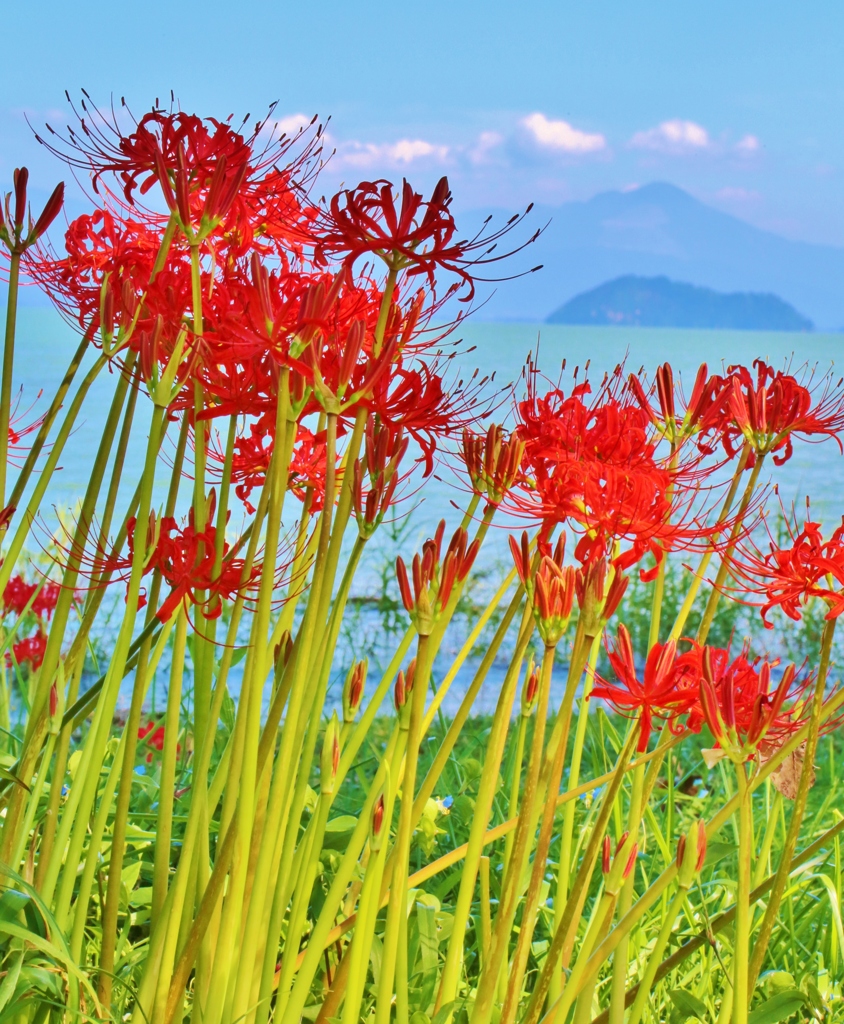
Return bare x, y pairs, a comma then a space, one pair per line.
625, 902
8, 367
706, 558
515, 785
599, 924
82, 795
404, 834
763, 936
564, 932
553, 773
445, 748
724, 568
567, 833
93, 858
289, 1011
741, 946
648, 978
121, 810
285, 881
487, 788
37, 445
167, 783
277, 814
511, 884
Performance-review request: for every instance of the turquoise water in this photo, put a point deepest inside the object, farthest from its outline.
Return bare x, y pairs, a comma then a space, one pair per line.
45, 344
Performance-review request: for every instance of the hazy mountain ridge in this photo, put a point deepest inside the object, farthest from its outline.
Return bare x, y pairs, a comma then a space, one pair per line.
633, 301
660, 230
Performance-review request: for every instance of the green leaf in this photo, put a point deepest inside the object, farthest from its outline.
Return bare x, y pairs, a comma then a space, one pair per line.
13, 969
778, 1007
688, 1004
337, 832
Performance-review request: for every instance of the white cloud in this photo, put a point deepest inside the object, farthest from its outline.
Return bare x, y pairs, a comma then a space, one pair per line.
481, 152
748, 144
289, 125
673, 137
403, 152
562, 136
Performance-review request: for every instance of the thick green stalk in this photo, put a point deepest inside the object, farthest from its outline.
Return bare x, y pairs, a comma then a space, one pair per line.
646, 984
483, 808
404, 833
167, 782
488, 983
763, 935
8, 367
553, 773
741, 946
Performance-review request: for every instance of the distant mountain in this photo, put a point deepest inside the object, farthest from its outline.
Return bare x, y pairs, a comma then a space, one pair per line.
658, 230
657, 302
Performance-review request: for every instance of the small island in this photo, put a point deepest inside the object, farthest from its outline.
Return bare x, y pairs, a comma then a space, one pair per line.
632, 301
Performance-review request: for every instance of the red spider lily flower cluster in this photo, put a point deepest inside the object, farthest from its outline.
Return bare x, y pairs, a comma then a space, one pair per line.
769, 408
419, 236
187, 559
705, 685
738, 706
702, 417
667, 689
383, 451
789, 576
492, 461
550, 586
22, 598
434, 576
596, 466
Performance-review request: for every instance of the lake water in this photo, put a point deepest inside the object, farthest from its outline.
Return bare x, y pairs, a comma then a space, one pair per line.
45, 344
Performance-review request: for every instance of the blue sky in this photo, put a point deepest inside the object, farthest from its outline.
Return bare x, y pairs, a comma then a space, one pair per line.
740, 103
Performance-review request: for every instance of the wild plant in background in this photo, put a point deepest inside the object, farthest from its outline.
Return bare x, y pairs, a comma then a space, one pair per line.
255, 859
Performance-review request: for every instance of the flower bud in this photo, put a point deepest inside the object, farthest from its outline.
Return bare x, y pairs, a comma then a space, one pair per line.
330, 760
530, 691
20, 177
379, 826
403, 689
691, 854
353, 690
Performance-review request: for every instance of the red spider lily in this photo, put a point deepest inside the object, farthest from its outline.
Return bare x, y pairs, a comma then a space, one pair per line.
19, 592
434, 578
550, 587
768, 410
418, 237
596, 466
613, 869
186, 559
201, 165
29, 651
307, 469
788, 576
17, 231
737, 704
667, 688
492, 462
703, 416
383, 452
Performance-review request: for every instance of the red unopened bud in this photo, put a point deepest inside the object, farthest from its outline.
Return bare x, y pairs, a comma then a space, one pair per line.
49, 213
606, 855
530, 691
353, 690
54, 700
20, 177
